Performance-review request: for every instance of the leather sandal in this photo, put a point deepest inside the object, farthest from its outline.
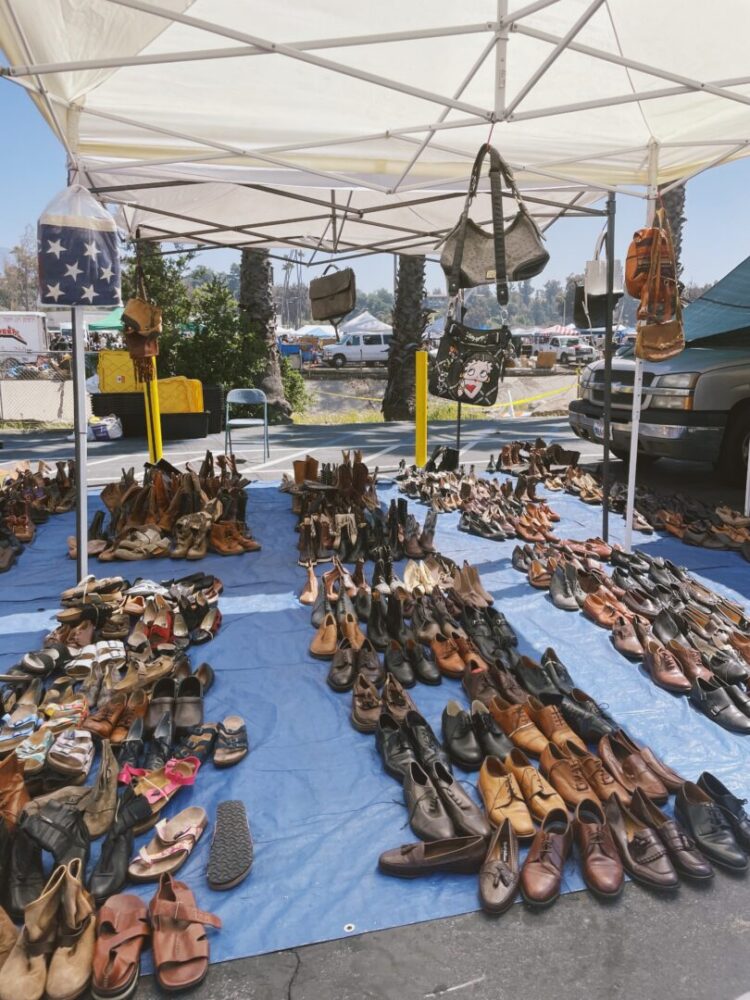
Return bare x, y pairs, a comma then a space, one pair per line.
160, 787
122, 932
170, 847
180, 945
231, 742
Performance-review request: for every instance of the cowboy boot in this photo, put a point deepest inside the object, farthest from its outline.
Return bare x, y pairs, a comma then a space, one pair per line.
183, 535
13, 793
311, 469
427, 537
300, 469
25, 970
70, 967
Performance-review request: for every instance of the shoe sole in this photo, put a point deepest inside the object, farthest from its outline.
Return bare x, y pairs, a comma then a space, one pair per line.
127, 992
362, 729
536, 905
605, 896
231, 835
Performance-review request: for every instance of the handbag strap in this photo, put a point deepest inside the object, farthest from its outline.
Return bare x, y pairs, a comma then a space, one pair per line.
499, 169
655, 278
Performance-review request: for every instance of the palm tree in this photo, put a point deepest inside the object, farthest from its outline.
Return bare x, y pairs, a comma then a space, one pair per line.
409, 322
674, 209
258, 325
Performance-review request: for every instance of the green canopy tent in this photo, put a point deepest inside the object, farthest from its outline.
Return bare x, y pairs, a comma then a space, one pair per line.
109, 323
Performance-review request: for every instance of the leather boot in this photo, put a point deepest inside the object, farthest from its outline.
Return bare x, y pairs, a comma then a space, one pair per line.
221, 540
300, 469
310, 590
412, 548
200, 525
395, 619
25, 970
13, 793
59, 829
25, 876
100, 803
183, 534
70, 968
311, 468
377, 630
8, 935
427, 538
325, 538
305, 546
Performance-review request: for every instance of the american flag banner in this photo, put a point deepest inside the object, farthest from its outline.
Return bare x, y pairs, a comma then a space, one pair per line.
77, 252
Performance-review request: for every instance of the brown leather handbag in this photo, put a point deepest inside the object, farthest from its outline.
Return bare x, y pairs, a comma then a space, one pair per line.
660, 334
332, 296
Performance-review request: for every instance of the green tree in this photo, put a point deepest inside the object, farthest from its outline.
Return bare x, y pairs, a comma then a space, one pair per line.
409, 321
18, 281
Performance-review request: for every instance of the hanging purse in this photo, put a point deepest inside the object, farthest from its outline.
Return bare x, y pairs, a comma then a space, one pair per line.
659, 333
332, 296
471, 256
590, 299
470, 364
142, 324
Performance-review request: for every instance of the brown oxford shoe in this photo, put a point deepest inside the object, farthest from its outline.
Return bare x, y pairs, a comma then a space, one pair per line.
539, 795
643, 855
566, 775
690, 660
550, 720
683, 853
601, 866
669, 778
630, 769
515, 723
542, 871
664, 668
602, 782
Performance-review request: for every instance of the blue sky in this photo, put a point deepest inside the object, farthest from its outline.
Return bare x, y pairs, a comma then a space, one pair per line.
32, 170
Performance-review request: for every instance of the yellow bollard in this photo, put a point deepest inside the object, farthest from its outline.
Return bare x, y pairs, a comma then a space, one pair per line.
153, 416
420, 416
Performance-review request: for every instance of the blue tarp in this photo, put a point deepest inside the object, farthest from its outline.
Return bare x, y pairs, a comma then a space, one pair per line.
724, 308
321, 807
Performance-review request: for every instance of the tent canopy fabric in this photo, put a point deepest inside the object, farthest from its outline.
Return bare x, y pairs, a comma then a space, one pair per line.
725, 308
112, 321
352, 127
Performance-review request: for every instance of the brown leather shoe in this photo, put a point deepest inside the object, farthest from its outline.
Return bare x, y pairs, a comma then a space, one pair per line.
683, 853
350, 630
630, 769
515, 723
600, 611
508, 686
459, 855
469, 652
601, 867
542, 871
669, 778
366, 706
396, 700
539, 795
103, 721
602, 782
625, 640
566, 775
550, 720
446, 656
502, 797
690, 661
325, 640
643, 854
13, 794
664, 668
135, 709
499, 874
222, 539
477, 684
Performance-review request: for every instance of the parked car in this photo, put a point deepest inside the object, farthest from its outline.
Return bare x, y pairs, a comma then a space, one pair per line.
358, 349
567, 350
696, 406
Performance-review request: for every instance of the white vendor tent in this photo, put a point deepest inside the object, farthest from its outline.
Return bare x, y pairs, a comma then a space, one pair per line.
346, 127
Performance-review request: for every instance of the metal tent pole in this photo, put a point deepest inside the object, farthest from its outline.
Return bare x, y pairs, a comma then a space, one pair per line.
610, 244
79, 411
635, 420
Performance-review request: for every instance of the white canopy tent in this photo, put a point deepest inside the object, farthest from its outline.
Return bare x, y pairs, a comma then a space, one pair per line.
345, 128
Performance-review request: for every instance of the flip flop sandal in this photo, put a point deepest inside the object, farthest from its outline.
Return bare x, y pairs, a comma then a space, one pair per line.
180, 946
231, 855
231, 742
170, 847
122, 932
72, 753
160, 787
33, 751
45, 661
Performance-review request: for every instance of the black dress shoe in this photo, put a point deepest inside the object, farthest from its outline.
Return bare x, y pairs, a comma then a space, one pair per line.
665, 628
424, 741
501, 628
707, 824
459, 737
321, 607
730, 805
467, 818
397, 664
160, 748
479, 632
377, 631
363, 604
726, 665
557, 671
25, 876
343, 670
425, 670
491, 738
131, 748
713, 700
587, 718
111, 871
738, 695
369, 664
534, 678
393, 746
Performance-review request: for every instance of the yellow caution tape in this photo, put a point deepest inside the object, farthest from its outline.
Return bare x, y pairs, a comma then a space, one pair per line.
498, 406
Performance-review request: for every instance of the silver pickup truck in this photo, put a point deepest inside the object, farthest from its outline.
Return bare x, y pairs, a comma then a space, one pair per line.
695, 406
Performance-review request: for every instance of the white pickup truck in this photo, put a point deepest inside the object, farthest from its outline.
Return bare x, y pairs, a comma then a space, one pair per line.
23, 336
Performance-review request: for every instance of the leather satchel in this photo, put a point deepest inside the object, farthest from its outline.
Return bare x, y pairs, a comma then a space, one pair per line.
332, 296
659, 333
470, 364
471, 256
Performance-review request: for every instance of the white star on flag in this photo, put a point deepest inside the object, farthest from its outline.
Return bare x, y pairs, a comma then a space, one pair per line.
54, 291
106, 274
92, 250
72, 271
88, 293
55, 247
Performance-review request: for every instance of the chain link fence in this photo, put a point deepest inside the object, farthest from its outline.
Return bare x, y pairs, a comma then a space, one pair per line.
36, 390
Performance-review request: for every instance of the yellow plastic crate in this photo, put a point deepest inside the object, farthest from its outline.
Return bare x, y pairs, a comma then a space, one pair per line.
116, 372
176, 395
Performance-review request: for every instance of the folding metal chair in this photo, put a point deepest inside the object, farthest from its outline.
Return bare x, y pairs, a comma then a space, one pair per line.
246, 397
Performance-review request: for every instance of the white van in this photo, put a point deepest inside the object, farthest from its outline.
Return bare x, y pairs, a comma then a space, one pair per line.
567, 350
359, 349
